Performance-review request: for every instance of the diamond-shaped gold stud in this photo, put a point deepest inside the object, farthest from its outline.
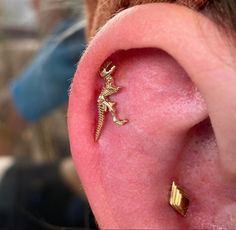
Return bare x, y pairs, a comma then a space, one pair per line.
179, 199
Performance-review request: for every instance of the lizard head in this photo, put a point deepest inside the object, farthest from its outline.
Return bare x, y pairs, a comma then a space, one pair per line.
107, 70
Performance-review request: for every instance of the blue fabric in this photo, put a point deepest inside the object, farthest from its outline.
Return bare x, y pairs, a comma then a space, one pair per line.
44, 85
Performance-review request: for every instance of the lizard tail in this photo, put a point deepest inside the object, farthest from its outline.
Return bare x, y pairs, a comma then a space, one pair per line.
100, 123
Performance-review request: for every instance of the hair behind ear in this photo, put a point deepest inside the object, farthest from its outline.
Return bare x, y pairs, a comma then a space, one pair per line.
224, 13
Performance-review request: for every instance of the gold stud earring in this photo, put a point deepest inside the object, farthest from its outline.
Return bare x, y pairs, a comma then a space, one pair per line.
179, 199
103, 101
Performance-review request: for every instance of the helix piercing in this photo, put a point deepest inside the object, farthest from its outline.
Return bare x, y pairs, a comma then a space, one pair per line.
103, 102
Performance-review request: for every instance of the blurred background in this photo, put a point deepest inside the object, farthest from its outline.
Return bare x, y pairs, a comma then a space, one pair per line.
41, 42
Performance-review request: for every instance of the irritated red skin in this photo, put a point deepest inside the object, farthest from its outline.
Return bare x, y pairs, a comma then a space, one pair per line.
127, 174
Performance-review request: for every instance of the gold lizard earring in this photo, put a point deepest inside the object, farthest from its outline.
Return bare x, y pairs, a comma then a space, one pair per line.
103, 101
179, 199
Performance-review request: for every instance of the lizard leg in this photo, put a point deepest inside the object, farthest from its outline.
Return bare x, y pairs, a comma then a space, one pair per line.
110, 105
117, 120
112, 109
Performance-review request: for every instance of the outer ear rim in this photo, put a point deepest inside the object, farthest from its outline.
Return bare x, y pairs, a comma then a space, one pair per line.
208, 45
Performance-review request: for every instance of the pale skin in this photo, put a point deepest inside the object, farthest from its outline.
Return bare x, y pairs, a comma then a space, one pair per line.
128, 173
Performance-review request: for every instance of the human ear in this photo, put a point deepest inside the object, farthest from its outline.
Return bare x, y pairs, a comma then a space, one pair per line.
170, 81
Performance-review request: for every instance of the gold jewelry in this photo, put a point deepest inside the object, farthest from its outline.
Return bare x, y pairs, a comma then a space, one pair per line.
104, 103
179, 199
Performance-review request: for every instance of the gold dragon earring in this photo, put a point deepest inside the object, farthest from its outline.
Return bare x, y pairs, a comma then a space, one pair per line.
104, 103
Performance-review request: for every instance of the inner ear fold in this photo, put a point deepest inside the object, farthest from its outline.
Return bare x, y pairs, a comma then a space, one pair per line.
156, 93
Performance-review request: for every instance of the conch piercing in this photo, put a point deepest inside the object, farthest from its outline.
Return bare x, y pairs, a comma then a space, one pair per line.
179, 199
103, 101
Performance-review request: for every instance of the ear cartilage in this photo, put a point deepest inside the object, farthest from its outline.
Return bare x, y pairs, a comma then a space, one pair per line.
179, 199
103, 102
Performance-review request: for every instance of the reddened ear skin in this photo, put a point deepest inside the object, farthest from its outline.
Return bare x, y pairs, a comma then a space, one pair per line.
165, 95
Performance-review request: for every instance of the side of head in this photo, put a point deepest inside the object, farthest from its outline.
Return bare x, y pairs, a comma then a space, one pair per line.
177, 74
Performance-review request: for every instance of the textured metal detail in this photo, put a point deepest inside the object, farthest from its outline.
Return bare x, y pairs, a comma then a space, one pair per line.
104, 103
179, 199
